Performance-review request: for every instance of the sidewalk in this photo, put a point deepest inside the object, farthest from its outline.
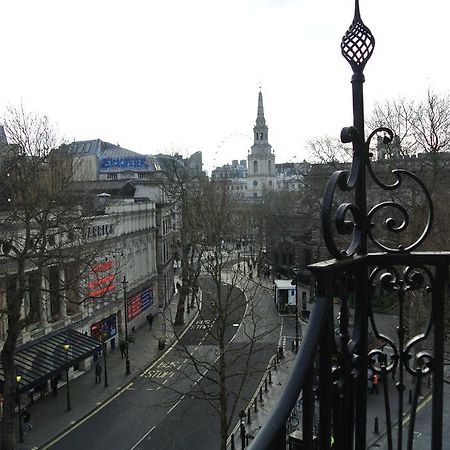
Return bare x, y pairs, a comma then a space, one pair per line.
49, 415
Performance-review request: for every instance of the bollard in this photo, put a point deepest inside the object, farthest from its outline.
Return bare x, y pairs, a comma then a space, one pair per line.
233, 445
275, 364
260, 394
246, 439
249, 419
265, 384
255, 404
429, 380
293, 346
270, 377
410, 396
375, 428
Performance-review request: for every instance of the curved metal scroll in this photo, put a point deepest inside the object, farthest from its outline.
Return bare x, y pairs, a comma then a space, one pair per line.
348, 218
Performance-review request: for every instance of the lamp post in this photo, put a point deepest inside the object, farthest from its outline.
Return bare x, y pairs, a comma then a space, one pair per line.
104, 336
125, 309
242, 416
66, 349
18, 378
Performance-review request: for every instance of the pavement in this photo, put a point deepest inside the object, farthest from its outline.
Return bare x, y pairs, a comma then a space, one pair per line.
49, 415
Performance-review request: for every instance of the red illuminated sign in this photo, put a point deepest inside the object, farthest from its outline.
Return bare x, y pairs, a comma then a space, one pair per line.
102, 279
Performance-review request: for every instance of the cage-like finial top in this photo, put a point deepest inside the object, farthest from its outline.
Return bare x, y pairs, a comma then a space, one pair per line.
358, 43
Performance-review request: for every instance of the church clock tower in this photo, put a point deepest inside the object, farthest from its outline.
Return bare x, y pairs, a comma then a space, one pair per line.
261, 158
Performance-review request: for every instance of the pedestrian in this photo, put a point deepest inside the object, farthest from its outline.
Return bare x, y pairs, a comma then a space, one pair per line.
54, 386
150, 320
123, 348
374, 387
178, 287
26, 418
98, 373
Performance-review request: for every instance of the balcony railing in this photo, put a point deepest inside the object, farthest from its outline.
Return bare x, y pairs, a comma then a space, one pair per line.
341, 352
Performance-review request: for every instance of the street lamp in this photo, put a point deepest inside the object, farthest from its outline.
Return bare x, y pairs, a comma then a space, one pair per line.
18, 378
125, 308
66, 349
104, 337
242, 416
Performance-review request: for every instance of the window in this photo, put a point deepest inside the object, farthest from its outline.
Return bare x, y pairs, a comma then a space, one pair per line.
270, 182
255, 183
255, 166
269, 165
111, 176
255, 194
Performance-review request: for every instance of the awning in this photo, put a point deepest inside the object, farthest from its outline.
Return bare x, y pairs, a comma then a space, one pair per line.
41, 359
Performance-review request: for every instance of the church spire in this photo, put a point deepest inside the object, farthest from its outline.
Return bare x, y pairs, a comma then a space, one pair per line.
261, 131
260, 120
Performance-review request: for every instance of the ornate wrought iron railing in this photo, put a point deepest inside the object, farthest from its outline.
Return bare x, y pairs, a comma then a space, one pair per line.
341, 352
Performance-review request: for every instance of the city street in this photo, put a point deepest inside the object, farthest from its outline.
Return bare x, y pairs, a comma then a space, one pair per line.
172, 404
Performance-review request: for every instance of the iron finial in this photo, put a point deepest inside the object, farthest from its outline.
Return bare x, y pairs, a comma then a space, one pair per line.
358, 43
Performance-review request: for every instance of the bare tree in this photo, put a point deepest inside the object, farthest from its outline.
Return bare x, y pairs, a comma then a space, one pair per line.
228, 297
181, 185
41, 226
327, 150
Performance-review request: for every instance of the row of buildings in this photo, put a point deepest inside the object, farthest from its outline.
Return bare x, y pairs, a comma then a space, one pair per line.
121, 262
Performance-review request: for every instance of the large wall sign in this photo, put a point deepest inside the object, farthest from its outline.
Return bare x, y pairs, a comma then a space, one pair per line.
140, 302
102, 278
126, 163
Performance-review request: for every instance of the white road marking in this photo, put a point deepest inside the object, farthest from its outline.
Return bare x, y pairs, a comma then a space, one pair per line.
145, 435
174, 406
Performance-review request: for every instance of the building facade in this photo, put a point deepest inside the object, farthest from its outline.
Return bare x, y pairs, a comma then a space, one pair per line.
85, 292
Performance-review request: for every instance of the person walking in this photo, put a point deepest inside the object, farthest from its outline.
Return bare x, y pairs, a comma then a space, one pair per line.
123, 349
150, 320
54, 386
26, 418
374, 387
98, 373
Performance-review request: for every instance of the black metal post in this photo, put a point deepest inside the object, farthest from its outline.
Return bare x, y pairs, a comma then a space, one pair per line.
66, 349
125, 309
296, 315
68, 389
242, 435
104, 363
20, 411
295, 282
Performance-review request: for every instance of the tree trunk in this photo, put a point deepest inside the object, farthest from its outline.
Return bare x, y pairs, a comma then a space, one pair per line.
179, 318
223, 407
14, 303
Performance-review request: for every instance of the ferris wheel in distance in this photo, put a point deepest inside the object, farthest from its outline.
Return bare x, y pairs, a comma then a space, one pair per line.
231, 147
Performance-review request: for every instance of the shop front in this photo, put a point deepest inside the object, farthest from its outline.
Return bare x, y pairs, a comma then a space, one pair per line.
106, 330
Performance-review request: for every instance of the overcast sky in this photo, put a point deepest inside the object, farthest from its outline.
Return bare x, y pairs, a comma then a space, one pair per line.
184, 75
